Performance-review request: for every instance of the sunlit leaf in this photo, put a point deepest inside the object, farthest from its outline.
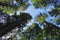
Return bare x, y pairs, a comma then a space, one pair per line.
41, 18
9, 10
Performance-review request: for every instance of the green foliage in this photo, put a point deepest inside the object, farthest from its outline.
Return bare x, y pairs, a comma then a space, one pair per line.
7, 6
1, 7
23, 7
31, 27
57, 21
55, 12
38, 3
41, 18
9, 10
50, 31
2, 0
40, 35
6, 1
44, 3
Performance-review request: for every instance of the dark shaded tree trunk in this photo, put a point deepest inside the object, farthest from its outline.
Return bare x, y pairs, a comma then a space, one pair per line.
13, 22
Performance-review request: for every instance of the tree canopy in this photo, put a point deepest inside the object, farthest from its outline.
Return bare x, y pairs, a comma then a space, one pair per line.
8, 22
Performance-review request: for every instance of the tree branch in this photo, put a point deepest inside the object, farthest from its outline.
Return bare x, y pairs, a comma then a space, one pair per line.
50, 25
